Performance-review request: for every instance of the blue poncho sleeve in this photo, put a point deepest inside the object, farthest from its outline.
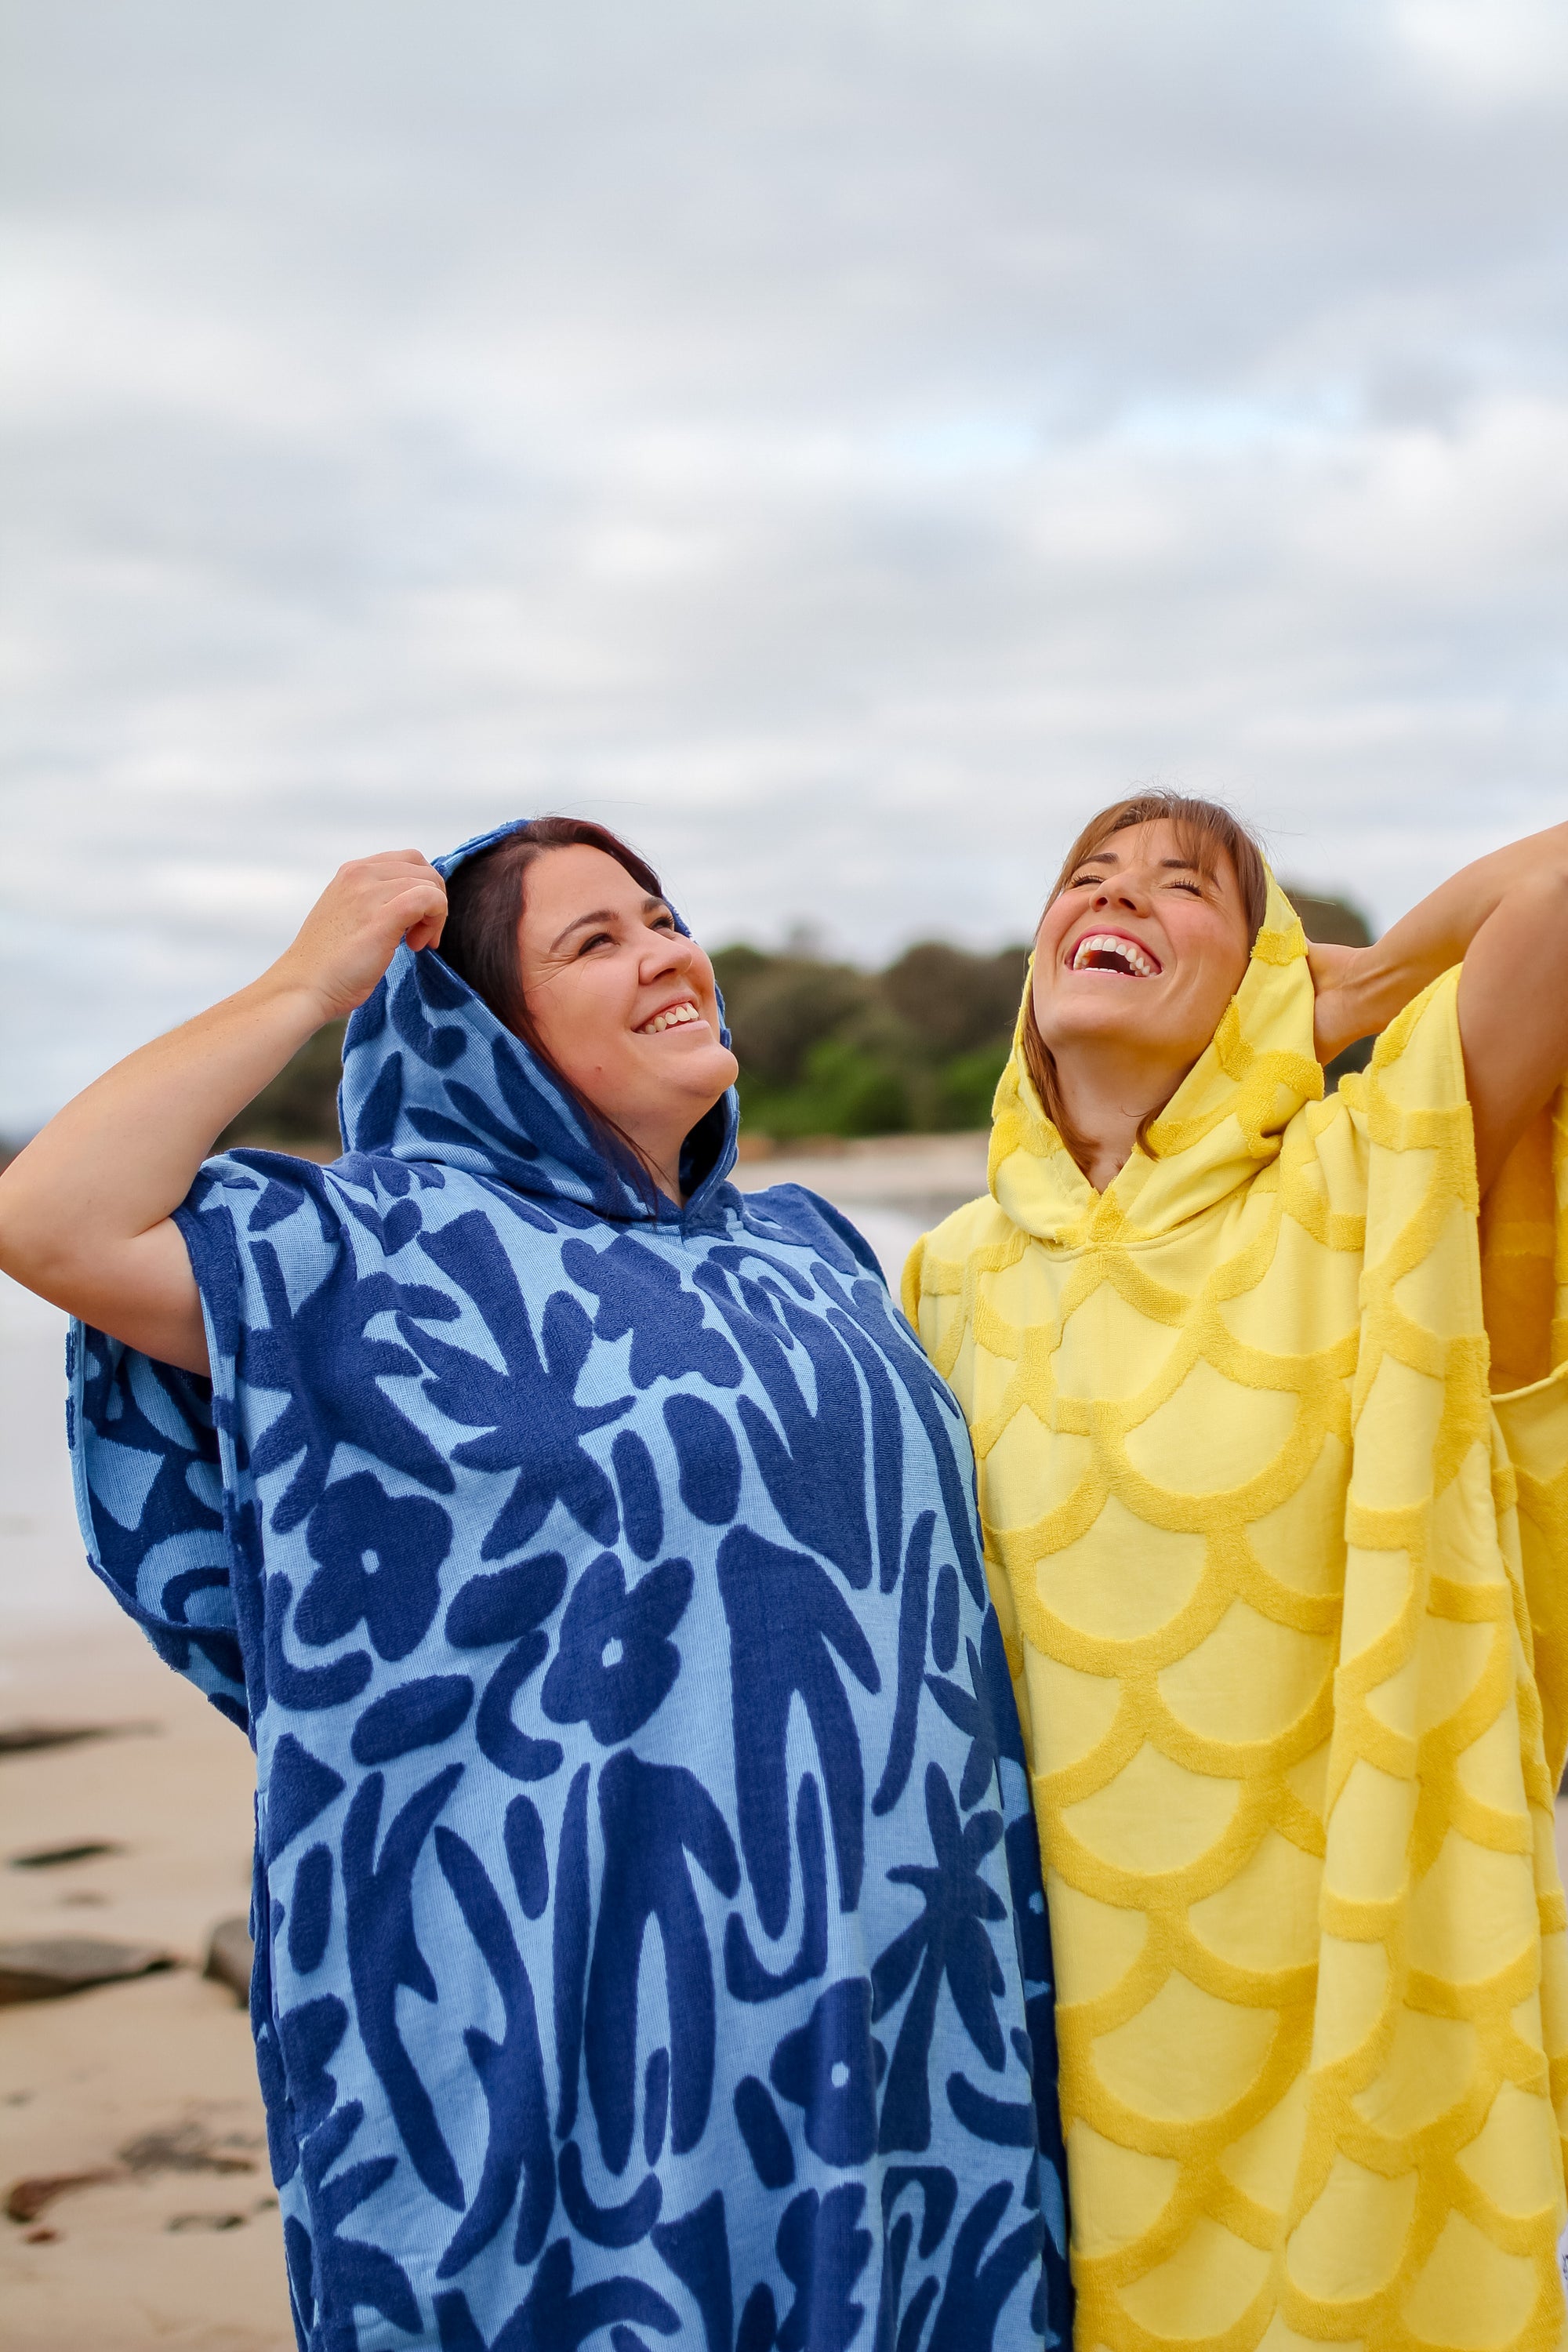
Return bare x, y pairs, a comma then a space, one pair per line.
159, 1461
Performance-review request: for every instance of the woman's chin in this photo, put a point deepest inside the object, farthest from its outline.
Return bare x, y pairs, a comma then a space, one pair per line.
719, 1074
1103, 1021
698, 1071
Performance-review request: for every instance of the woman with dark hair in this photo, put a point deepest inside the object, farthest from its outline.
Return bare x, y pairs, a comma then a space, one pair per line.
1269, 1402
649, 1939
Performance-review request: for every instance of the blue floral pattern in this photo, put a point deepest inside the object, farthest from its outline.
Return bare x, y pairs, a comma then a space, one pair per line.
649, 1936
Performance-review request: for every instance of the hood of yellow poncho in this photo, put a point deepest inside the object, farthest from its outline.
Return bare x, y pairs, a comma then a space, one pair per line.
1224, 1120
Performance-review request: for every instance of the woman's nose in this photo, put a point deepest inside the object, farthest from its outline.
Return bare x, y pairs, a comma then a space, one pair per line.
667, 952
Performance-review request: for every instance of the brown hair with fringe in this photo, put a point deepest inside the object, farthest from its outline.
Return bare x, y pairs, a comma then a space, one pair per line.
1207, 834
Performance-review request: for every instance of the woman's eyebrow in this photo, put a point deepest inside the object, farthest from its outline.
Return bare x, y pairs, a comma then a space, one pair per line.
1169, 865
603, 914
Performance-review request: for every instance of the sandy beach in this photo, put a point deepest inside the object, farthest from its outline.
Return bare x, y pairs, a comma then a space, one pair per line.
149, 2082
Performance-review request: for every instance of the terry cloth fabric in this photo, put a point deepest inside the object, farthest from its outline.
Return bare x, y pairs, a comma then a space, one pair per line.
1285, 1595
649, 1936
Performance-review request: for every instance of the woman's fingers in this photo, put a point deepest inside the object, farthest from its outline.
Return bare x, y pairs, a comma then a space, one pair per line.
351, 932
426, 916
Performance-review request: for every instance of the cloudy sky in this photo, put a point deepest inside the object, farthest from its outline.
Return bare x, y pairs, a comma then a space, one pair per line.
837, 441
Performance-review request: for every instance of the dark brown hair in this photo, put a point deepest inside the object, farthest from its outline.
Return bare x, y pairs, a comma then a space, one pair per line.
1207, 833
479, 941
484, 908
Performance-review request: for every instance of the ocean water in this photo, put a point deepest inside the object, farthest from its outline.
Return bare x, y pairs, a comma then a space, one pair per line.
46, 1585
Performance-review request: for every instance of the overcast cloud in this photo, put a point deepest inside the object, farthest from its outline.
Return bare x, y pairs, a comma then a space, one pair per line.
840, 442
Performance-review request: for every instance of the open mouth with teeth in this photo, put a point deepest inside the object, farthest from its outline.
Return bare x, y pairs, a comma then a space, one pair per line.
1111, 951
674, 1016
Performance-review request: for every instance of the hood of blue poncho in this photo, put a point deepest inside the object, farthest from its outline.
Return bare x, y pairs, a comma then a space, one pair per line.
429, 1073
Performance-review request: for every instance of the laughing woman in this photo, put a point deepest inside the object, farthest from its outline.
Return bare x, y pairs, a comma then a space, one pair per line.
650, 1941
1269, 1402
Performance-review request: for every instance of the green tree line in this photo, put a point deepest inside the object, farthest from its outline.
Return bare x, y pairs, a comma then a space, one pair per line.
825, 1048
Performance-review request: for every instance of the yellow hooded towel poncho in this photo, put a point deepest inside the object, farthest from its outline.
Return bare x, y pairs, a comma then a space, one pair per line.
1272, 1441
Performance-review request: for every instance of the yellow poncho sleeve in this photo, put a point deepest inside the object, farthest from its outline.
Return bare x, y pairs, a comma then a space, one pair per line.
1381, 2167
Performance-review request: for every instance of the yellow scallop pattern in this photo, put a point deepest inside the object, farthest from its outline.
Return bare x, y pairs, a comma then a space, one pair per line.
1272, 1442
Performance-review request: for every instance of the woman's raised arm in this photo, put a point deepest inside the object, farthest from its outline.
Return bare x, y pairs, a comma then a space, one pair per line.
86, 1210
1505, 918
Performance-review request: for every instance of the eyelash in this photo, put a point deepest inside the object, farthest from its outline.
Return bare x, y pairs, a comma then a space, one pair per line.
603, 938
1089, 881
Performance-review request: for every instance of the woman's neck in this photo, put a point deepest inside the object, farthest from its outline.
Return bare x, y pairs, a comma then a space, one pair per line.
663, 1170
660, 1145
1107, 1094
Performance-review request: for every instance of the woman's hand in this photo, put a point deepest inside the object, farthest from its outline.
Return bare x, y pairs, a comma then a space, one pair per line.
86, 1210
350, 934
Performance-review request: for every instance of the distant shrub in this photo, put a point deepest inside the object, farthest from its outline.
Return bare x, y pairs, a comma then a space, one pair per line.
780, 1007
843, 1090
827, 1050
300, 1109
969, 1083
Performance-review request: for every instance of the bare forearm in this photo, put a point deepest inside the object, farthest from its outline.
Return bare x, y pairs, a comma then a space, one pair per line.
117, 1160
1505, 921
1436, 934
85, 1212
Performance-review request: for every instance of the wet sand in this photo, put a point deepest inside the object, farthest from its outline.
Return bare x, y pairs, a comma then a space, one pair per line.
176, 2254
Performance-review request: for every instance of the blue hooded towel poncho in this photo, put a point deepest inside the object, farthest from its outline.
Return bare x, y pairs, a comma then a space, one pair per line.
649, 1939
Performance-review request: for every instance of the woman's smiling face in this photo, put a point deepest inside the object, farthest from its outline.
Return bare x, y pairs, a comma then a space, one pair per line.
625, 1005
1141, 950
